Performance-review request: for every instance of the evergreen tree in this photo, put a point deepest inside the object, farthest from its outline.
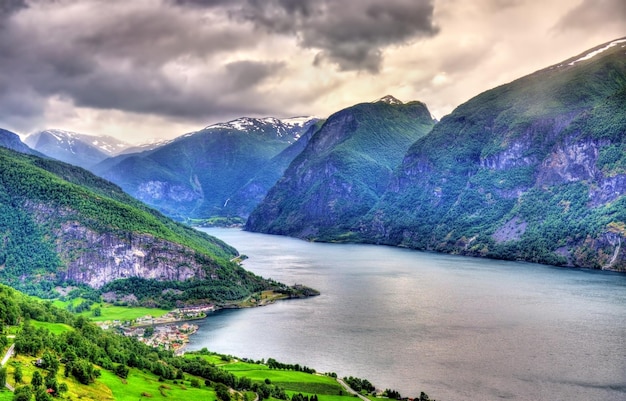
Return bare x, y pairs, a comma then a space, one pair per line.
36, 380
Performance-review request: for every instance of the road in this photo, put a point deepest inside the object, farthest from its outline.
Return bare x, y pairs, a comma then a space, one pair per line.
349, 390
9, 354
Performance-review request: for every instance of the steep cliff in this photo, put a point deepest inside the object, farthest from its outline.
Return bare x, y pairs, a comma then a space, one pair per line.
532, 170
342, 171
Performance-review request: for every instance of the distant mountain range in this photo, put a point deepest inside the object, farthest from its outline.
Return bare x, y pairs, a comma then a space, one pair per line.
532, 170
197, 174
80, 149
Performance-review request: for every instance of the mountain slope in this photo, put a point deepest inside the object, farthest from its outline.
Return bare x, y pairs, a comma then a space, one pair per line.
196, 174
244, 200
12, 141
532, 170
343, 170
77, 149
60, 224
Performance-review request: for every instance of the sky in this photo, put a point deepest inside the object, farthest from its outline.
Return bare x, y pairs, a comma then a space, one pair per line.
155, 69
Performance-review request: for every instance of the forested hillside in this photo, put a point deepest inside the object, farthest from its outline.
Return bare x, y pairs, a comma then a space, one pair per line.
343, 170
61, 225
59, 355
195, 175
532, 170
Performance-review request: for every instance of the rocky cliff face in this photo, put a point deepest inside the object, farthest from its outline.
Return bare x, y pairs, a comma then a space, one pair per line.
97, 258
532, 170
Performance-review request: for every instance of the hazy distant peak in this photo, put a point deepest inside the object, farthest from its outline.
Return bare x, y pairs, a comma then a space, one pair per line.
299, 121
389, 100
69, 140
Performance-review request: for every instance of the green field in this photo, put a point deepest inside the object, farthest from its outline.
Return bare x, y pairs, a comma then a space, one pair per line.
112, 312
54, 328
325, 387
140, 385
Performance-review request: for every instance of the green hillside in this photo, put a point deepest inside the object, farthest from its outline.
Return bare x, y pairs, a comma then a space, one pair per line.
342, 172
531, 170
195, 175
61, 225
59, 355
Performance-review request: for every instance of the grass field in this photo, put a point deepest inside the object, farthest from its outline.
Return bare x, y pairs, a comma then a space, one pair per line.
140, 385
95, 391
326, 387
112, 312
54, 328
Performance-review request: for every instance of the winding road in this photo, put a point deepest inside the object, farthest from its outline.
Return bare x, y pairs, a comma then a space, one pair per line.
8, 354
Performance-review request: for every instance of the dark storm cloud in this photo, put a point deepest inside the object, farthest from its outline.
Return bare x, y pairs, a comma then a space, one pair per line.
8, 7
352, 35
131, 57
593, 13
246, 74
183, 58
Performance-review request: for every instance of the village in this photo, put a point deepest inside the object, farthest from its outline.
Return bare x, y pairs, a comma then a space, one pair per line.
162, 332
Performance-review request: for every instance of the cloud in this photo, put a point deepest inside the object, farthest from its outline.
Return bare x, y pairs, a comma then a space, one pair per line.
145, 56
8, 7
590, 14
351, 35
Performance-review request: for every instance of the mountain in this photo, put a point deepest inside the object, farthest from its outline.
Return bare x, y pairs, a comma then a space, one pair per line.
61, 225
245, 199
77, 149
12, 141
342, 171
532, 170
196, 174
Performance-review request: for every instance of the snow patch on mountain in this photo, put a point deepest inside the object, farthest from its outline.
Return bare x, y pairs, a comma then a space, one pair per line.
598, 51
388, 99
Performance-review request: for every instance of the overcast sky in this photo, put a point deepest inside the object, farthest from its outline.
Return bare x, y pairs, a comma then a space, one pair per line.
160, 68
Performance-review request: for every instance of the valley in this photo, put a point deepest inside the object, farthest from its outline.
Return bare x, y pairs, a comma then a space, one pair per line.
476, 256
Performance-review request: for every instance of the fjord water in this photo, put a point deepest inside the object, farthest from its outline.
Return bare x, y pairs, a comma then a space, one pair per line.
457, 328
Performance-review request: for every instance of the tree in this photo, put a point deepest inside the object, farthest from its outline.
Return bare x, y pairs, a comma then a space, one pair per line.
223, 394
22, 393
42, 395
17, 374
122, 371
148, 331
37, 380
3, 377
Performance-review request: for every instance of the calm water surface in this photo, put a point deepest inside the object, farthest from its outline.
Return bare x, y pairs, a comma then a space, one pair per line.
457, 328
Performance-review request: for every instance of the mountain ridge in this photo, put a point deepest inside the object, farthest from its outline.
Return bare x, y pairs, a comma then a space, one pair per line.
194, 175
344, 166
60, 225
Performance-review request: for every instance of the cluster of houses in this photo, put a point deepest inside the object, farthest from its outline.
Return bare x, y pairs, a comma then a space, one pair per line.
159, 331
170, 337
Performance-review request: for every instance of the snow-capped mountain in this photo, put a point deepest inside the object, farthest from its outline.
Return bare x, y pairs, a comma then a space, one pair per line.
74, 148
197, 174
288, 128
